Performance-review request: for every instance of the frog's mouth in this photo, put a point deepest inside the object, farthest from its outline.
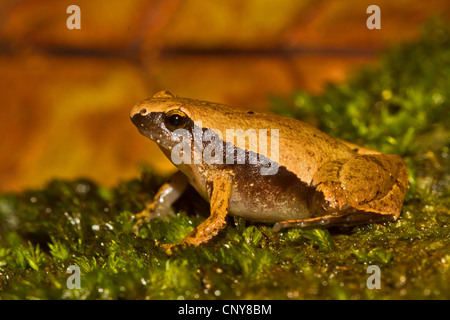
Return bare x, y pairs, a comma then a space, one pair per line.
151, 126
146, 125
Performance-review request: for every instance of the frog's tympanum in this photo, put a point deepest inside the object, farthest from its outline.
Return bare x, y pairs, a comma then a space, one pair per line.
266, 168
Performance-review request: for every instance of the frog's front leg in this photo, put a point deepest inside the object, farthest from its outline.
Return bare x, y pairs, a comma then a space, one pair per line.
219, 204
161, 206
363, 189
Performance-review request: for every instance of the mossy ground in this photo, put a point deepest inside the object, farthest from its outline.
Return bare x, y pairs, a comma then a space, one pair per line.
400, 106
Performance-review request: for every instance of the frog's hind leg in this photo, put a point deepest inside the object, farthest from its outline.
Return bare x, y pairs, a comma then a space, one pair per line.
366, 188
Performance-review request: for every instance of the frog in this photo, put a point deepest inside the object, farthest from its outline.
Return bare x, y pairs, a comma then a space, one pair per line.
311, 179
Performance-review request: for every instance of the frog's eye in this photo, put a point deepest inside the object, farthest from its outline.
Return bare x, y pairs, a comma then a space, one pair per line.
176, 119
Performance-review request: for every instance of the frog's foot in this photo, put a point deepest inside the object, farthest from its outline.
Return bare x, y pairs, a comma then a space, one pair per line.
152, 211
171, 248
349, 218
303, 223
168, 248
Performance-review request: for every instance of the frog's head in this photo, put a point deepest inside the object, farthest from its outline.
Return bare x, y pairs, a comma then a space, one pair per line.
162, 118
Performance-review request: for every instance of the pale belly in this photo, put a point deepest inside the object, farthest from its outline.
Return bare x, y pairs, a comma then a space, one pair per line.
261, 198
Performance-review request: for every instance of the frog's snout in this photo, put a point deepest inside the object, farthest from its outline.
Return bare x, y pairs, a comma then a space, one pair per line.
137, 116
138, 109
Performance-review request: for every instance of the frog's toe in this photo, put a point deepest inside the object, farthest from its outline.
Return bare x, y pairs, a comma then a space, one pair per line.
168, 248
138, 225
141, 218
162, 212
301, 223
149, 213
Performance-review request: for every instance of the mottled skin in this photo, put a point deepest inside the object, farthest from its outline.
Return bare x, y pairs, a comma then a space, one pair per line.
320, 180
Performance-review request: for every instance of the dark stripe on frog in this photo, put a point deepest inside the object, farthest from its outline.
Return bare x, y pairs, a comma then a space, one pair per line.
261, 160
149, 126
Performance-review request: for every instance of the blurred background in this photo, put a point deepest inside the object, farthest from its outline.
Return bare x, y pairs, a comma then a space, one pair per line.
66, 94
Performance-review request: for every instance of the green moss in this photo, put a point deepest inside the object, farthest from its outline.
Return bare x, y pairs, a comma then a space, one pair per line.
401, 107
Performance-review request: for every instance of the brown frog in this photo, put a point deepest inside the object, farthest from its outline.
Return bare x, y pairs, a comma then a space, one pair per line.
265, 167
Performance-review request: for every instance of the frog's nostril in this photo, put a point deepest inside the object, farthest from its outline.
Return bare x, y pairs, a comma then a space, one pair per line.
143, 111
